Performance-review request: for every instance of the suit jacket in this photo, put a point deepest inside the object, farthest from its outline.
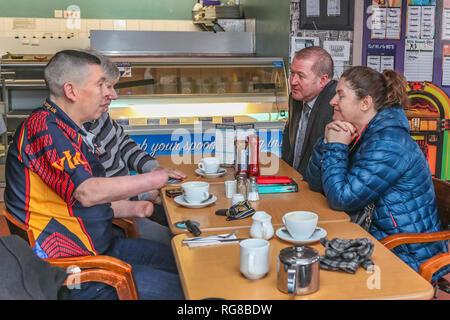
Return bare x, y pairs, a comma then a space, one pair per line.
321, 115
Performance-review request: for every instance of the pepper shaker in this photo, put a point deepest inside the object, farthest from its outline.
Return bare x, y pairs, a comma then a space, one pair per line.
242, 185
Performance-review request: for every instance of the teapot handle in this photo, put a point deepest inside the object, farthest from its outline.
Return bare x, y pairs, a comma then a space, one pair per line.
291, 281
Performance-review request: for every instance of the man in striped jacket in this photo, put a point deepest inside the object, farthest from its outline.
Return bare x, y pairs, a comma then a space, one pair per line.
119, 154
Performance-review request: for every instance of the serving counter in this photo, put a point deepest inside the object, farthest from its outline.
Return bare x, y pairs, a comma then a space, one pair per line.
170, 103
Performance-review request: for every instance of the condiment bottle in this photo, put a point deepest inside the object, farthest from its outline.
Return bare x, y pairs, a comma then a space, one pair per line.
242, 185
253, 194
253, 155
241, 156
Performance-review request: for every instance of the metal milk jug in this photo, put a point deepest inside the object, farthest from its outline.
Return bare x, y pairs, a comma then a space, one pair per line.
298, 270
262, 226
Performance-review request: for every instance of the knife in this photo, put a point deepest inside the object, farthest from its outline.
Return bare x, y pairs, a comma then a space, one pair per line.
211, 240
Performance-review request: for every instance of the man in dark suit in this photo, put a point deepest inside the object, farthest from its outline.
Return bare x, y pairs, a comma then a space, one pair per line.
312, 88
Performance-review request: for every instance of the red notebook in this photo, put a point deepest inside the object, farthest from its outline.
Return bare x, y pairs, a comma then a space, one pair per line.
272, 179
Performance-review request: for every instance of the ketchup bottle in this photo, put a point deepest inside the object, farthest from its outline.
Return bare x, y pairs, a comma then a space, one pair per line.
253, 155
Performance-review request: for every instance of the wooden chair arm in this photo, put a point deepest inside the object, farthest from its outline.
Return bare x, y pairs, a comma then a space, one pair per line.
109, 270
104, 262
395, 240
429, 267
124, 288
128, 225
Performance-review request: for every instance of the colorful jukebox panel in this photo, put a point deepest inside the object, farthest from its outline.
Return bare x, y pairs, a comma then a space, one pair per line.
429, 117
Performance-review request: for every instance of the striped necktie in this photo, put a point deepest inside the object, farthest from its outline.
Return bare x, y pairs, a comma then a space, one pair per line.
301, 134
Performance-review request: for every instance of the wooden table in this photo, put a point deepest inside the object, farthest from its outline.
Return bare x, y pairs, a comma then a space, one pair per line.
213, 271
275, 204
270, 164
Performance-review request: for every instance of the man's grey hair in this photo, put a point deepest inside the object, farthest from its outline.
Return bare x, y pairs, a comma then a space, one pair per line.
323, 61
109, 68
68, 66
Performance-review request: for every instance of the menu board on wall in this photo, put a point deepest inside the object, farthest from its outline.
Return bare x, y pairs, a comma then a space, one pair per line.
419, 55
420, 19
381, 56
446, 20
386, 19
446, 65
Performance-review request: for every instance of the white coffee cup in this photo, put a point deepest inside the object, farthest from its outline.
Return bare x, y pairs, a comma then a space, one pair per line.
230, 188
209, 165
254, 258
237, 197
300, 224
195, 191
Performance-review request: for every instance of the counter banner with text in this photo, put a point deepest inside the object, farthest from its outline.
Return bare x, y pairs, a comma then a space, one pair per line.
184, 142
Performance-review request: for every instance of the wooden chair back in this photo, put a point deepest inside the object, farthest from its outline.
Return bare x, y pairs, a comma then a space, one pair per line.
4, 229
442, 191
18, 228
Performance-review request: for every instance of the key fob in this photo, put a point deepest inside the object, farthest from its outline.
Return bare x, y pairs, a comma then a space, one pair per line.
192, 228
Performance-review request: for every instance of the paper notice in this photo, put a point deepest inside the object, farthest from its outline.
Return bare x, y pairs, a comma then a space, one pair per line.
312, 8
419, 56
334, 7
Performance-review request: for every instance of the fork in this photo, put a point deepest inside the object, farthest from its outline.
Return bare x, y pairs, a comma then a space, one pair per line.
219, 236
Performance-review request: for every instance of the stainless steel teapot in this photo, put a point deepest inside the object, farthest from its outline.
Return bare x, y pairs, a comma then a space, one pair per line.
298, 270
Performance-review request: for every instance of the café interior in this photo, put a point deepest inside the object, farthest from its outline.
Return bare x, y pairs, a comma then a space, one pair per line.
206, 89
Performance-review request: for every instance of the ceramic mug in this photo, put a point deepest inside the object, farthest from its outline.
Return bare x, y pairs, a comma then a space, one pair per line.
230, 188
254, 258
209, 165
195, 191
300, 224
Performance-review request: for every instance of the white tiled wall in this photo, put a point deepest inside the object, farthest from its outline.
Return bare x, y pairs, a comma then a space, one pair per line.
42, 27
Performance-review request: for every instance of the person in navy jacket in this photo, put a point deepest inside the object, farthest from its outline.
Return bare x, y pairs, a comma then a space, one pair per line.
367, 159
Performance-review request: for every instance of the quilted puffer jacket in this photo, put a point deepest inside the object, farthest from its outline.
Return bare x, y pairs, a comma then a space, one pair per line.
386, 167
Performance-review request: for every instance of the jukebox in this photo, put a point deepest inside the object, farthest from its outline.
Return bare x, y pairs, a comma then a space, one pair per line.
429, 117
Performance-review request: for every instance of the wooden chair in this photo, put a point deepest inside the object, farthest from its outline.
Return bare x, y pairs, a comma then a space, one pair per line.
109, 270
442, 191
429, 267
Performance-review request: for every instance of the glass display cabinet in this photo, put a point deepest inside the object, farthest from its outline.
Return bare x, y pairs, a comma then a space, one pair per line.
22, 89
159, 96
165, 91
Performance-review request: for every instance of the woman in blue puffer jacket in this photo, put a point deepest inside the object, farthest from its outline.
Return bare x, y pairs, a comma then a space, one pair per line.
367, 159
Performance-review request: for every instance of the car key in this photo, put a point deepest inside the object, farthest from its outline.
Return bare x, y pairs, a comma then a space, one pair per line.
192, 228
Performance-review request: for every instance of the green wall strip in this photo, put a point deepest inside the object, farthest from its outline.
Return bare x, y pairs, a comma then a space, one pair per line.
101, 9
272, 26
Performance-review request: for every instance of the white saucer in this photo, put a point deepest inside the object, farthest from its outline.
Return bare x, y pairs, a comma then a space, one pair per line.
283, 234
180, 200
219, 173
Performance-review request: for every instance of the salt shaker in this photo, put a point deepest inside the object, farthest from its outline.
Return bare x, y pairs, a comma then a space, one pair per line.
253, 194
242, 185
